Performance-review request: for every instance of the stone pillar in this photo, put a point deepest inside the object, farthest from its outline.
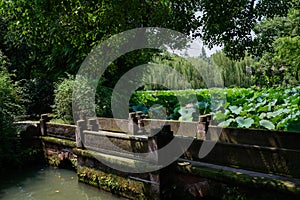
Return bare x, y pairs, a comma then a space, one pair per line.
81, 126
43, 124
203, 124
201, 127
132, 123
140, 123
208, 121
93, 124
159, 140
156, 142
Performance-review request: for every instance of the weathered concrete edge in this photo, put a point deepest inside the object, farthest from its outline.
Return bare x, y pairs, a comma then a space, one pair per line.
107, 158
58, 124
117, 135
115, 160
236, 177
64, 142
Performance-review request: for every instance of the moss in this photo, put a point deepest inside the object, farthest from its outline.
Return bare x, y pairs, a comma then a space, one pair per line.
74, 163
63, 142
241, 179
115, 184
232, 193
53, 160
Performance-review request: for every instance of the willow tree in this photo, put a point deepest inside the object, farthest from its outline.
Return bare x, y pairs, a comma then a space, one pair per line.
234, 73
197, 72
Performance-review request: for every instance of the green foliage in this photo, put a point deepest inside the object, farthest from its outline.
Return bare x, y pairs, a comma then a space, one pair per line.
234, 73
193, 70
63, 96
200, 72
103, 101
9, 99
271, 29
143, 109
113, 183
262, 108
273, 108
187, 113
232, 193
168, 100
9, 109
37, 96
50, 38
231, 23
63, 100
279, 64
267, 29
54, 161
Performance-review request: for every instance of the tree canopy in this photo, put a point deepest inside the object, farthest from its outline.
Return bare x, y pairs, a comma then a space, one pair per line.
279, 64
49, 39
232, 23
54, 36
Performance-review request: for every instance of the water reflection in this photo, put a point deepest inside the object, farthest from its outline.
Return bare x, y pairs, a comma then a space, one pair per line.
50, 184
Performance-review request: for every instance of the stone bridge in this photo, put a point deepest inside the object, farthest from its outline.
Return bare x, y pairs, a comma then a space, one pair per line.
256, 164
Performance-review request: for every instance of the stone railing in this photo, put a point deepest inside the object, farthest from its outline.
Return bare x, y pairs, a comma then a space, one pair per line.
246, 158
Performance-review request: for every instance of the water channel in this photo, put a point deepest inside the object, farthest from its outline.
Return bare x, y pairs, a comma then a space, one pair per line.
49, 184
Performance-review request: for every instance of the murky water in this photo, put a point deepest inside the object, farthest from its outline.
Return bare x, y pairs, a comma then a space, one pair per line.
49, 184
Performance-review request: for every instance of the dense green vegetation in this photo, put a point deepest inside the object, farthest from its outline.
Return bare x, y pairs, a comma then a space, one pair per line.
235, 24
233, 73
280, 64
43, 44
62, 108
274, 108
9, 108
64, 32
47, 40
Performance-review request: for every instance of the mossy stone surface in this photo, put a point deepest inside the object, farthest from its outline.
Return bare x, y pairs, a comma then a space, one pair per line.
115, 184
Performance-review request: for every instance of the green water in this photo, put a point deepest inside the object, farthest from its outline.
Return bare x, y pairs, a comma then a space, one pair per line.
49, 184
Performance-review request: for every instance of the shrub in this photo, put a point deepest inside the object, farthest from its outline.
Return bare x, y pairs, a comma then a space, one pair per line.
62, 107
37, 96
103, 101
63, 92
9, 109
9, 98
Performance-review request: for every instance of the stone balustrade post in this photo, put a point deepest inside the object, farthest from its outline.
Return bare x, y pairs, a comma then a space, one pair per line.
159, 139
93, 124
81, 126
132, 123
203, 124
140, 123
209, 120
43, 124
201, 127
